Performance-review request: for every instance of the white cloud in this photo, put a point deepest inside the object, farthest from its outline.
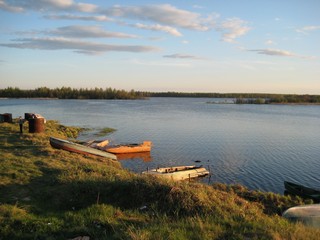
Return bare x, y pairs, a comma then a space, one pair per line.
168, 17
162, 17
85, 47
165, 14
77, 31
270, 42
45, 5
158, 27
85, 7
307, 29
232, 29
6, 7
274, 52
280, 53
99, 18
311, 28
183, 56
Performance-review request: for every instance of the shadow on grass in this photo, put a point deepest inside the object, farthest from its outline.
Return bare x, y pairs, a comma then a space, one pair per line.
48, 194
48, 200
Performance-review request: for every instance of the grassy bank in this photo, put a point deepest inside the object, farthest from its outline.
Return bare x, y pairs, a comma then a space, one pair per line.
47, 193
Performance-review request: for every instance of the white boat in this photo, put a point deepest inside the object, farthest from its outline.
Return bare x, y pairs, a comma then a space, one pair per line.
178, 173
307, 214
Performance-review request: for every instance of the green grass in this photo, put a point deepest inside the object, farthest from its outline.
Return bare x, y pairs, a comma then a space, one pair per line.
46, 193
105, 131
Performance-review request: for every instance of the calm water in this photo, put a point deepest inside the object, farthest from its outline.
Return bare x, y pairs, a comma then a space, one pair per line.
258, 146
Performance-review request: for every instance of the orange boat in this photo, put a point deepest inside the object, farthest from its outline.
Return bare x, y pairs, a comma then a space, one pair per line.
128, 148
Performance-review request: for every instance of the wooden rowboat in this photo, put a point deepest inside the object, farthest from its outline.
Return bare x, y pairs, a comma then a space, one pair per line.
178, 173
307, 214
302, 191
78, 148
127, 148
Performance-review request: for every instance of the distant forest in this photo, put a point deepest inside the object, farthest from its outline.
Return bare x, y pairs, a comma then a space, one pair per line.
70, 93
110, 93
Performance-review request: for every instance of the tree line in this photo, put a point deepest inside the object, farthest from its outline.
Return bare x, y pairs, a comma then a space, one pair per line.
70, 93
245, 98
111, 93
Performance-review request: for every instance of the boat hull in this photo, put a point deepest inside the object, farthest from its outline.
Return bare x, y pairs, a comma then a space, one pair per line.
78, 148
307, 214
178, 173
302, 191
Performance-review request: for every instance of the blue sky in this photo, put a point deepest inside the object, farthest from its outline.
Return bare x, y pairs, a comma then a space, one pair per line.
186, 46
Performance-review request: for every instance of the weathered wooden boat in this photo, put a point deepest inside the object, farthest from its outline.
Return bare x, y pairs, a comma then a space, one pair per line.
302, 191
78, 148
127, 148
178, 173
307, 214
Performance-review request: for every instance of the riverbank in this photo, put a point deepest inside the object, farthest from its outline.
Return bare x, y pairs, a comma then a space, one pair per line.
50, 193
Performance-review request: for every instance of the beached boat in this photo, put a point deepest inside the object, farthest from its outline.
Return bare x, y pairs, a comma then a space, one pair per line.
302, 191
307, 214
126, 148
178, 173
78, 148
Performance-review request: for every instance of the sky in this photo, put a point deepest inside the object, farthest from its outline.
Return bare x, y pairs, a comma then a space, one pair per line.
260, 46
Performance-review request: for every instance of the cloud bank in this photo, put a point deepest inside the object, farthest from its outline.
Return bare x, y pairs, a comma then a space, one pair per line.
97, 18
158, 27
85, 47
46, 5
78, 31
165, 14
163, 17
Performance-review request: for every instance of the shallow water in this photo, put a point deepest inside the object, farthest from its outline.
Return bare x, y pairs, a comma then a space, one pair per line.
258, 146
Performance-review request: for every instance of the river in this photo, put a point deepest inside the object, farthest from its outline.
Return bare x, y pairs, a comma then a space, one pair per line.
258, 146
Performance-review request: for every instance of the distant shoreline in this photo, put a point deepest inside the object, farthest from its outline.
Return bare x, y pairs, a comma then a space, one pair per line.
272, 103
36, 98
44, 93
306, 103
209, 102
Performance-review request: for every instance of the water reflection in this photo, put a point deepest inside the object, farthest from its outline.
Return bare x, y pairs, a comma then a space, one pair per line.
144, 156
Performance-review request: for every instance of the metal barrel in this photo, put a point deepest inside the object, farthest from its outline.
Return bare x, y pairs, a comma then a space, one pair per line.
7, 117
27, 116
36, 125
